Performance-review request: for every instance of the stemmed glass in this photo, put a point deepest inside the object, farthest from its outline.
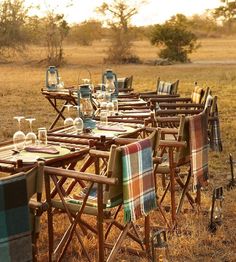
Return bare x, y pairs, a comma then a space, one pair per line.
31, 137
78, 121
19, 136
69, 120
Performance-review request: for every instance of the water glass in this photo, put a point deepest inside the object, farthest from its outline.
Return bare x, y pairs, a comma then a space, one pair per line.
42, 136
103, 117
115, 103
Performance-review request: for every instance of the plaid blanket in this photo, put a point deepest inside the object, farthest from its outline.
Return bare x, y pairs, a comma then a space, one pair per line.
139, 193
197, 95
15, 234
164, 88
199, 149
215, 137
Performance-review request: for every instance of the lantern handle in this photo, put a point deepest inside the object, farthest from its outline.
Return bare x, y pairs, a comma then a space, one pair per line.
89, 73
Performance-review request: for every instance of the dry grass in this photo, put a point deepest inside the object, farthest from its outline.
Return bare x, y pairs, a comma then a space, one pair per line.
21, 82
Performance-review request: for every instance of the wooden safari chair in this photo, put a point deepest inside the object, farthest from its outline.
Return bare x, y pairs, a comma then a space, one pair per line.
194, 156
196, 101
20, 214
163, 89
102, 199
125, 84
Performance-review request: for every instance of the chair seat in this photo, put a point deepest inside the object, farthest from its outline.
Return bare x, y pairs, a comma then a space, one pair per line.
75, 202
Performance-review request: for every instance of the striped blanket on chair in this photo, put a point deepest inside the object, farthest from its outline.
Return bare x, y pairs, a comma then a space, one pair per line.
164, 88
139, 193
15, 234
199, 149
197, 95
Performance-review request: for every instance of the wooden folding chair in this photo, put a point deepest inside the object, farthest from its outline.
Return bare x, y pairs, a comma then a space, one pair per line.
99, 201
158, 93
22, 193
125, 84
180, 159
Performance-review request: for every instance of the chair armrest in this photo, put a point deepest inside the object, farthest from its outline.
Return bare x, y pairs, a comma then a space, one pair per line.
180, 105
172, 143
124, 141
178, 112
169, 131
170, 99
157, 160
80, 175
99, 153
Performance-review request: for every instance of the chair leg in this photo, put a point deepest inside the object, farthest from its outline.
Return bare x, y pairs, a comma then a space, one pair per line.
184, 192
118, 243
147, 234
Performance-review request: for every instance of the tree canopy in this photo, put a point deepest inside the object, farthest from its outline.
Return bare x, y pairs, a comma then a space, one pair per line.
13, 16
174, 38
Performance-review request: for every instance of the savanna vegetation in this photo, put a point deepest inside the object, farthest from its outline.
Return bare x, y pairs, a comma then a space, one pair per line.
22, 75
18, 31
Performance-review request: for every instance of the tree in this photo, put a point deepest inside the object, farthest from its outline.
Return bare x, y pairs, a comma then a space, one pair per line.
13, 16
175, 39
56, 29
121, 36
226, 13
86, 32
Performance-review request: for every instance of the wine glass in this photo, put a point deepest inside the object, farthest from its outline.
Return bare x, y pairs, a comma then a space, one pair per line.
31, 137
60, 83
19, 136
69, 120
78, 121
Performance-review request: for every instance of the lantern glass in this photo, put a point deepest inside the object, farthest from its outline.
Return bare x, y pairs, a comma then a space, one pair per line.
110, 86
87, 107
52, 78
218, 213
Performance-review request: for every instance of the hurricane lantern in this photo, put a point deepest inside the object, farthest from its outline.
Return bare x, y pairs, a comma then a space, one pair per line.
109, 78
159, 246
216, 214
86, 107
52, 78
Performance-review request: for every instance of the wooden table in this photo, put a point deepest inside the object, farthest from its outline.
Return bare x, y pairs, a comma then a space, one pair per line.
58, 99
68, 156
100, 139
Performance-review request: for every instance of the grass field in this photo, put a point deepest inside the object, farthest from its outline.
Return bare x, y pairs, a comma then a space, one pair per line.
214, 65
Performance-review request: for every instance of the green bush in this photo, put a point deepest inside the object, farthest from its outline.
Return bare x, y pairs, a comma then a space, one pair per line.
175, 40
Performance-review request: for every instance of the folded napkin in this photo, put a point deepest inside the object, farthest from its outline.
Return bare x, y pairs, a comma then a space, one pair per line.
47, 150
111, 128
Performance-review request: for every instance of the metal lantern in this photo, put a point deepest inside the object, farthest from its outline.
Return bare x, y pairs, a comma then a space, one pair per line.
159, 246
52, 78
109, 78
216, 213
86, 106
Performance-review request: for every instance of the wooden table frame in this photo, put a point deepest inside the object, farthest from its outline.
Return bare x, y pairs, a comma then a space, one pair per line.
67, 95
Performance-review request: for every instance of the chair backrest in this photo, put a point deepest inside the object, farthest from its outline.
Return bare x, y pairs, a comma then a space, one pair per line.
114, 194
182, 155
167, 88
197, 95
34, 180
128, 82
125, 82
15, 193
